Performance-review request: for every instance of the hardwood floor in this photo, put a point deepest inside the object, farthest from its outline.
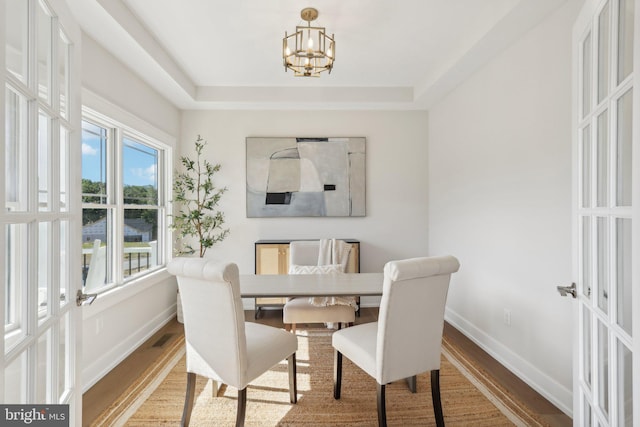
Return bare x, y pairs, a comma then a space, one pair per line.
501, 375
103, 393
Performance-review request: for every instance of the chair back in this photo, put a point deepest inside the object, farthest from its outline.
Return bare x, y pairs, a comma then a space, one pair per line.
411, 317
213, 318
307, 252
97, 273
304, 252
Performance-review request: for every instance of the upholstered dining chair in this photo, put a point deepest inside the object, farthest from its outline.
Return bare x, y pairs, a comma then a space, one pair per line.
220, 344
303, 259
406, 340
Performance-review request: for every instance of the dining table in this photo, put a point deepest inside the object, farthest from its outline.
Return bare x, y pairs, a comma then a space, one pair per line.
301, 285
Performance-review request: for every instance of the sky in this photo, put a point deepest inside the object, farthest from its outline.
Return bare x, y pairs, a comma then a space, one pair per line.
139, 161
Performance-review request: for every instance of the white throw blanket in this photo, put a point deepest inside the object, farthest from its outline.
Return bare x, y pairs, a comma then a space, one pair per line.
333, 251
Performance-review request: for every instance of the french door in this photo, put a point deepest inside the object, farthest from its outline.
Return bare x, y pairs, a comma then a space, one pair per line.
40, 207
606, 214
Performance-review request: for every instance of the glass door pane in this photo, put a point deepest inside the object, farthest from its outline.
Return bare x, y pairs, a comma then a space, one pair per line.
15, 384
43, 50
44, 162
63, 75
625, 386
623, 274
64, 359
43, 369
64, 262
15, 253
586, 347
15, 152
603, 368
16, 36
603, 160
603, 52
586, 167
603, 263
586, 75
587, 264
44, 271
623, 149
625, 39
64, 169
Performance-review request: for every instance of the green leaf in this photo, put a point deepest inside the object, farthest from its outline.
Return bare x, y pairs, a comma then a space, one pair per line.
196, 198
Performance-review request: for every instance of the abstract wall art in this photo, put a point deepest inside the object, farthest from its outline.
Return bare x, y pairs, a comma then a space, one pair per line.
305, 177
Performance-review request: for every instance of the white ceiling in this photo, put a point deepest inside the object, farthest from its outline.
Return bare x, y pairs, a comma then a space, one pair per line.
227, 54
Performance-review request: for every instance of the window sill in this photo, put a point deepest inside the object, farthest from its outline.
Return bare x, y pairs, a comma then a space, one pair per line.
119, 294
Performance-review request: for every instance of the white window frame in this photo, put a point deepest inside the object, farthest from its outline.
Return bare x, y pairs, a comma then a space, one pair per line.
118, 131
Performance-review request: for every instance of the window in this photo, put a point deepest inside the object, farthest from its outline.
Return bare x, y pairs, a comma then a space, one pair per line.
123, 201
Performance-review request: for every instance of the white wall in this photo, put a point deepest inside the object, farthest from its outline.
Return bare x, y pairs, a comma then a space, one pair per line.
104, 75
500, 200
396, 196
122, 319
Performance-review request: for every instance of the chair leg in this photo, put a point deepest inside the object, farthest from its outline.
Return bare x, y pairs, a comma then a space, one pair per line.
435, 395
412, 383
339, 325
337, 374
188, 399
293, 382
242, 407
382, 407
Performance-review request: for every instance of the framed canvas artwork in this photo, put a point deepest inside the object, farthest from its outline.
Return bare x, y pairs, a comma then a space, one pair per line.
303, 177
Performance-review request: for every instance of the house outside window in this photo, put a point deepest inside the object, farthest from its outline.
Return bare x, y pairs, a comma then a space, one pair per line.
124, 194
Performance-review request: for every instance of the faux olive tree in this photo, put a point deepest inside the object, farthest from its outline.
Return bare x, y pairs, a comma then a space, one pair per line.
196, 196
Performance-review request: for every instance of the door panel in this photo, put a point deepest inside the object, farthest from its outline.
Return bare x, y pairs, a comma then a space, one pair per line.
39, 215
605, 124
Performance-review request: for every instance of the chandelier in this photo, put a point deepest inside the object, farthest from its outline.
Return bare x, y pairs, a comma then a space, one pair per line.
309, 51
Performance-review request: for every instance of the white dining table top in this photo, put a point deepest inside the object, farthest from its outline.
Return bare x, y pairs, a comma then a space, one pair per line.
301, 285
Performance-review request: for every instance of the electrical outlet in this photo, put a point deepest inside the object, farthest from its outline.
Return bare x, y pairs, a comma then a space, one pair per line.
507, 317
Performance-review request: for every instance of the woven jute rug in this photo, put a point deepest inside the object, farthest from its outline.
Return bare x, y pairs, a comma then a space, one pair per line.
469, 397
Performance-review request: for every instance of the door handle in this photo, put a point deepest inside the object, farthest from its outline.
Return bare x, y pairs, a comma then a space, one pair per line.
81, 298
568, 290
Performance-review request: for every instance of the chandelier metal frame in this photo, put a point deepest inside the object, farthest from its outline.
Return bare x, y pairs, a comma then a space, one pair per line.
313, 50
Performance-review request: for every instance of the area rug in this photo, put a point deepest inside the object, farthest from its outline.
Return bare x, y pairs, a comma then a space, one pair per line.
469, 397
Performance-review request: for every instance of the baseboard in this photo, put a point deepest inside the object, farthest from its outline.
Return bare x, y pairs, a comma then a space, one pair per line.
92, 373
553, 391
